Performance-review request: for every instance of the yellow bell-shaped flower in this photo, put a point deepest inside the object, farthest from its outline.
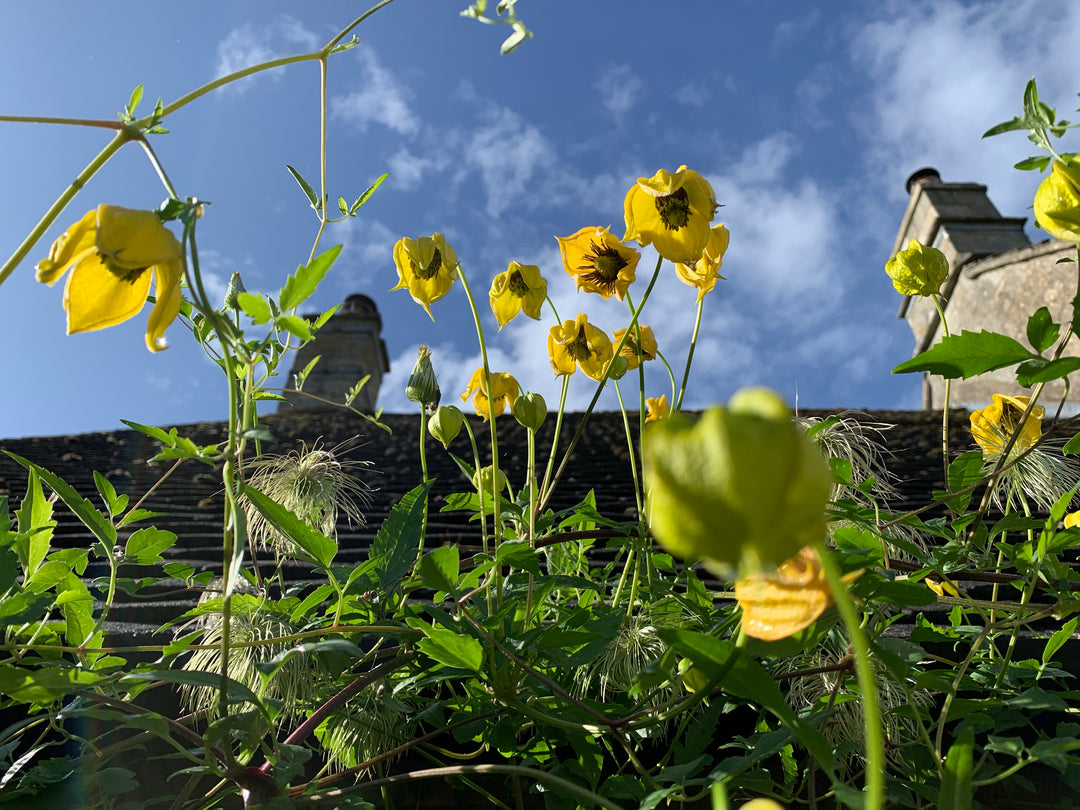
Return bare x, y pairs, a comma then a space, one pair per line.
426, 267
630, 346
918, 270
598, 262
741, 488
112, 253
1057, 201
520, 288
503, 393
672, 212
704, 273
579, 344
994, 425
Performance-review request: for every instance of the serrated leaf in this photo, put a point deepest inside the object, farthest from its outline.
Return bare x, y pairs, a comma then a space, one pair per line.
967, 355
1039, 162
440, 568
315, 544
255, 306
363, 198
1042, 332
1040, 370
964, 470
396, 544
343, 206
1006, 126
450, 648
299, 287
144, 547
90, 517
35, 525
294, 325
305, 186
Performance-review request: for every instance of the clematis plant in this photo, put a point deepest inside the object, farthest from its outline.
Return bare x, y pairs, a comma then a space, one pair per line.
578, 344
671, 211
598, 261
1057, 201
426, 267
520, 288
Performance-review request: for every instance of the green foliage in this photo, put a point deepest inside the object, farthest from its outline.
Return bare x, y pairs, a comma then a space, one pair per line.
967, 355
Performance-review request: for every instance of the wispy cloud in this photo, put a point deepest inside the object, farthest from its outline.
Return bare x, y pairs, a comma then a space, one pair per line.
379, 98
692, 95
251, 44
620, 89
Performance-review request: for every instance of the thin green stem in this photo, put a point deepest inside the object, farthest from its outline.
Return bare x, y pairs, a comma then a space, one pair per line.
948, 391
689, 356
864, 674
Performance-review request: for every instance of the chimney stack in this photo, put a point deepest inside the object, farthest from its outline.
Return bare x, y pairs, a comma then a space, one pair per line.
349, 347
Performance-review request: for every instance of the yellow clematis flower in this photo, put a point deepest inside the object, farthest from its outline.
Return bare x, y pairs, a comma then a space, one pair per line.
598, 262
1072, 519
575, 344
520, 289
918, 269
426, 268
658, 408
112, 252
780, 603
504, 391
706, 270
671, 211
630, 347
992, 426
1057, 201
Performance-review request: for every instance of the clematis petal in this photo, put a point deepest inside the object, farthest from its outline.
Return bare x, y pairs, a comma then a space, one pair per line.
133, 239
167, 296
68, 249
671, 211
95, 298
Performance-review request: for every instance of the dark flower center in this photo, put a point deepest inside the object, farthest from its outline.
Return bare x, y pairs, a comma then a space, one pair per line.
517, 284
602, 267
125, 274
579, 346
674, 209
431, 269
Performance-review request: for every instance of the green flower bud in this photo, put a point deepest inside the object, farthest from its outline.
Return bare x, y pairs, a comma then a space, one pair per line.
530, 410
741, 487
618, 367
236, 286
445, 424
423, 387
484, 479
918, 270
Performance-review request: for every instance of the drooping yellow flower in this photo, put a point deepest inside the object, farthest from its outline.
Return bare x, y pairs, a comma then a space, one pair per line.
579, 344
630, 347
426, 267
780, 603
658, 408
992, 426
1072, 519
112, 252
598, 262
706, 270
504, 390
520, 289
671, 211
918, 269
1057, 202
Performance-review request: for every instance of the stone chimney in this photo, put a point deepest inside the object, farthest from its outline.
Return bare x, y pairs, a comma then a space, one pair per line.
997, 278
349, 348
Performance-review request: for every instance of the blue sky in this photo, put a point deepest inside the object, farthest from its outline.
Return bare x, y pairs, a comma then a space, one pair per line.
806, 121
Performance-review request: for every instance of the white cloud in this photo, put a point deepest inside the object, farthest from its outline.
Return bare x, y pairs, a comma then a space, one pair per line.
379, 99
692, 95
945, 72
251, 44
509, 154
620, 89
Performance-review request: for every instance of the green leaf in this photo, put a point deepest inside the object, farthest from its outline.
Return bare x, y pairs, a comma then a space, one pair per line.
101, 528
255, 306
315, 544
177, 446
107, 491
363, 198
305, 186
294, 325
133, 101
1072, 446
25, 607
964, 470
967, 355
439, 569
1042, 332
396, 544
144, 547
43, 685
236, 690
1058, 639
343, 206
35, 525
9, 568
1039, 162
1042, 370
956, 790
450, 648
298, 288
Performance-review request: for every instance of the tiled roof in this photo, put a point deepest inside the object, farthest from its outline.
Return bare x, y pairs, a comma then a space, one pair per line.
191, 498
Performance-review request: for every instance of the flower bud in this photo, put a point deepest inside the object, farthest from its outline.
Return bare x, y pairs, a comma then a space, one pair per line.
618, 367
484, 480
423, 387
1057, 202
918, 270
236, 286
530, 410
445, 424
741, 487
